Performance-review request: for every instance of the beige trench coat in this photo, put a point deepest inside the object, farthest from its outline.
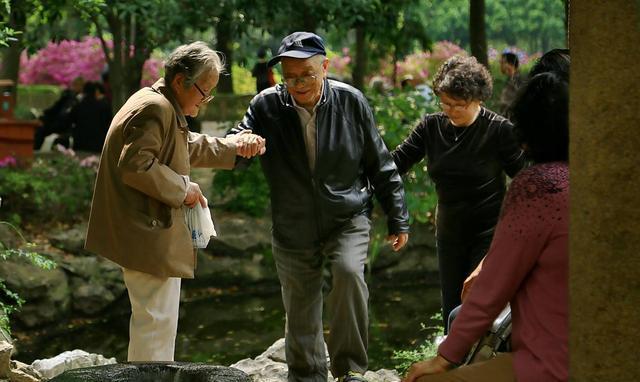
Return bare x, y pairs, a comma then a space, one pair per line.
137, 213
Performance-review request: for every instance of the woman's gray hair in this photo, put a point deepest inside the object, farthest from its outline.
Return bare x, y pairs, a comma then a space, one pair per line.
192, 60
463, 78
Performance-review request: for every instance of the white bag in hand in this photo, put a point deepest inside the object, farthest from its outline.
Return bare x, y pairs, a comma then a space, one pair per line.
200, 225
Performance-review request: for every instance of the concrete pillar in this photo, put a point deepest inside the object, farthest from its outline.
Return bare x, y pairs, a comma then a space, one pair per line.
605, 190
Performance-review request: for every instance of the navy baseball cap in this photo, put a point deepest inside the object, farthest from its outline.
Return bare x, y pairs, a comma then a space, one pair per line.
299, 45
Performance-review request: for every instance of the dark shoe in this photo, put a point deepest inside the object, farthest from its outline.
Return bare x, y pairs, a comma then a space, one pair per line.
352, 376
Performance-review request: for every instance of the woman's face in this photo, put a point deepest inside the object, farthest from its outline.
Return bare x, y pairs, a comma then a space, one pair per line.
196, 95
460, 112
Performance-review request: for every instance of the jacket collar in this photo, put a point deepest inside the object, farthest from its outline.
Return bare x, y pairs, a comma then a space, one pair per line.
287, 99
160, 87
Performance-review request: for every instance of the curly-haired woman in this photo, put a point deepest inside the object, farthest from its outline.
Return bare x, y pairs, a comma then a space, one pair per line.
468, 149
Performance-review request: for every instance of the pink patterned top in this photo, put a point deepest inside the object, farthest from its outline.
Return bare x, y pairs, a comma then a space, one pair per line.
527, 265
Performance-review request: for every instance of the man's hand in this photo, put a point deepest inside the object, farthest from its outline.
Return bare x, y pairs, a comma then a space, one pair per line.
468, 283
194, 195
398, 241
248, 145
435, 365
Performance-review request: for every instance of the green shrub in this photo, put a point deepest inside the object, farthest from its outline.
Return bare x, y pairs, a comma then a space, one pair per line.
396, 116
243, 82
56, 187
10, 301
403, 359
37, 97
242, 190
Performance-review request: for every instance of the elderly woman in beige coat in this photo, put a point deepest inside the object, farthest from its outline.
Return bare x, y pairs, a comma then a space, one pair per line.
143, 188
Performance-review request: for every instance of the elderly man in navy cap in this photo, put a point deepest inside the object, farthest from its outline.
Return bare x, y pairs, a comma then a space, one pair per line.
324, 162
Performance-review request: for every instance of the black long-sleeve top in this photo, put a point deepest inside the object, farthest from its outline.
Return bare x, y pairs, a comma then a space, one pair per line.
467, 166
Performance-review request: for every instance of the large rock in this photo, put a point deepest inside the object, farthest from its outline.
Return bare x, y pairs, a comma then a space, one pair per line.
15, 371
382, 375
5, 358
69, 360
240, 235
154, 372
46, 291
95, 282
229, 270
9, 237
20, 372
70, 240
271, 366
263, 369
418, 257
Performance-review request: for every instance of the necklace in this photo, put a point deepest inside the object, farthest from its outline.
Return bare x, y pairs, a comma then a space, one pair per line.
456, 136
464, 128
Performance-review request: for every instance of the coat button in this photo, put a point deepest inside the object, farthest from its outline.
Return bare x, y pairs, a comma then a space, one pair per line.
154, 223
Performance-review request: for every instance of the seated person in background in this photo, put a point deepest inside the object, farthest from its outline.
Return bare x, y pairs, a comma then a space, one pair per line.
527, 263
89, 119
54, 118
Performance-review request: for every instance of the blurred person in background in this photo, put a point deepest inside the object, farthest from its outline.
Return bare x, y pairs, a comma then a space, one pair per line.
54, 119
509, 66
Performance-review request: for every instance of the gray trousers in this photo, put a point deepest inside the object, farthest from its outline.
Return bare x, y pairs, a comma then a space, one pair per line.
301, 278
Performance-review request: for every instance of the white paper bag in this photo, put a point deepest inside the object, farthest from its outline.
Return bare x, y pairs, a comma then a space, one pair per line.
200, 225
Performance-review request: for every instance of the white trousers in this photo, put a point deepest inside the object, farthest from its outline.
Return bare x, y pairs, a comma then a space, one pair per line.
154, 315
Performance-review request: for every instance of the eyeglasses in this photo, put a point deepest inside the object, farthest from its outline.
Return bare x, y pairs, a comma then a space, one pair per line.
446, 106
205, 98
303, 80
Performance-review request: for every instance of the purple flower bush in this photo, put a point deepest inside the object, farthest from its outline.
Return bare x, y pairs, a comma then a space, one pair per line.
419, 66
59, 63
339, 65
8, 161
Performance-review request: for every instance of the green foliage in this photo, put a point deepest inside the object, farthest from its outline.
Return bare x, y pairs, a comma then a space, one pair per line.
405, 358
242, 191
36, 98
55, 188
396, 116
10, 301
243, 83
537, 25
6, 33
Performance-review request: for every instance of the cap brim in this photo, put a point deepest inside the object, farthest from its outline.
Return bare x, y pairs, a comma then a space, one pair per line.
292, 54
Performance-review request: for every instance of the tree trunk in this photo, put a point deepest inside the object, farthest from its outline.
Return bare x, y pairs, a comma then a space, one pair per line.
360, 62
309, 18
224, 45
115, 60
394, 76
125, 67
11, 54
477, 33
566, 21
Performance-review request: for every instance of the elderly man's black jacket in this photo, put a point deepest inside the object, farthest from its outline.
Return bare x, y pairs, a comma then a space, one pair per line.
352, 163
